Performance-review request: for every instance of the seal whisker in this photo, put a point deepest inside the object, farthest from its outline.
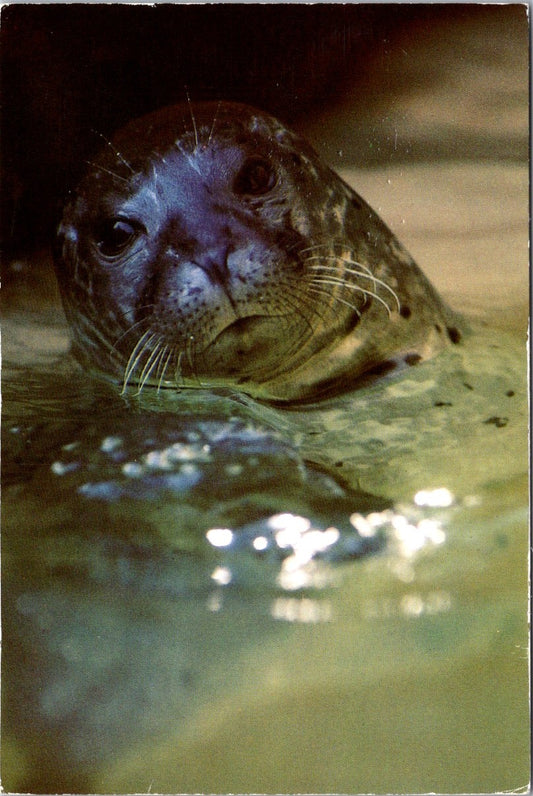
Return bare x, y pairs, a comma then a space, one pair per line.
190, 357
362, 266
212, 130
298, 310
297, 344
91, 331
371, 293
327, 244
284, 319
349, 286
301, 294
335, 298
365, 271
292, 287
335, 270
107, 171
189, 105
163, 352
340, 259
188, 157
163, 367
155, 175
149, 366
135, 357
376, 280
338, 281
129, 330
140, 347
115, 150
178, 374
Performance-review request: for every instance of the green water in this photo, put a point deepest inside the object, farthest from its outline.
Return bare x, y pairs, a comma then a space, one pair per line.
385, 653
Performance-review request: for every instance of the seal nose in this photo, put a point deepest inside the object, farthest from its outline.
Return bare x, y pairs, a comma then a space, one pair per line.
214, 262
202, 237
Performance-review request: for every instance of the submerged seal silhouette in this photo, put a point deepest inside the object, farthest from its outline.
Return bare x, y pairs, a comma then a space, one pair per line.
214, 247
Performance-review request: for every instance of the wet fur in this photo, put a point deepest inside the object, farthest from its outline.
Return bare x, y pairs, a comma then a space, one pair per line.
287, 292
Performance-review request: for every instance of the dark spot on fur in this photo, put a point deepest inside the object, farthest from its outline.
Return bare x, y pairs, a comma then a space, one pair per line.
412, 359
509, 393
468, 386
454, 334
499, 422
438, 327
442, 403
405, 311
352, 322
335, 385
288, 239
356, 202
383, 367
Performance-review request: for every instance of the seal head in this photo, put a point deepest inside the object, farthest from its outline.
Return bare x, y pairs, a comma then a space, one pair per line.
218, 249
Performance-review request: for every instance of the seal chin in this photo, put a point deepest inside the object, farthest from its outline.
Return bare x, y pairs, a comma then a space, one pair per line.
244, 334
248, 347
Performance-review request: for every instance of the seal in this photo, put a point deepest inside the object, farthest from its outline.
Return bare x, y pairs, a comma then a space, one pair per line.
212, 246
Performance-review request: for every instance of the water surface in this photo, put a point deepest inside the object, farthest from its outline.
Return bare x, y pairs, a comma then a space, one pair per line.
202, 593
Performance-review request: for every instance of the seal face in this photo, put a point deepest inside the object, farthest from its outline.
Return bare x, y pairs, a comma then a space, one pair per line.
214, 247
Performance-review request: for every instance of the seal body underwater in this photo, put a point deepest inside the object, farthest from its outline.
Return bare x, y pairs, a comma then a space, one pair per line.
214, 247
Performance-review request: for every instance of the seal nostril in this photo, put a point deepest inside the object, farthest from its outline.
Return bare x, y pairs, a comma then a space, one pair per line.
215, 264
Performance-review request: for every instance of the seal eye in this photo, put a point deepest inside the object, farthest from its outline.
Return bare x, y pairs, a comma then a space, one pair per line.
114, 235
255, 178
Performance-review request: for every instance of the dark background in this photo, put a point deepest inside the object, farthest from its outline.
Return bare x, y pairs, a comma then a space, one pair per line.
73, 71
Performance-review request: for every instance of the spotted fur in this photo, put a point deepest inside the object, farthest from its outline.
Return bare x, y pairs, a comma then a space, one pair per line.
213, 246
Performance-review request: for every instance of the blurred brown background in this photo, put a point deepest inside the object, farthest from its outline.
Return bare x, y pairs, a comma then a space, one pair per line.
371, 84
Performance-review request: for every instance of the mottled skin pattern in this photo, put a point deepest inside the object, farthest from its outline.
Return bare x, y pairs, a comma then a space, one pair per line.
208, 245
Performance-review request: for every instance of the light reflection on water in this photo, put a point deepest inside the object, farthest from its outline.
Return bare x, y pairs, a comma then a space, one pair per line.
150, 591
409, 531
304, 610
